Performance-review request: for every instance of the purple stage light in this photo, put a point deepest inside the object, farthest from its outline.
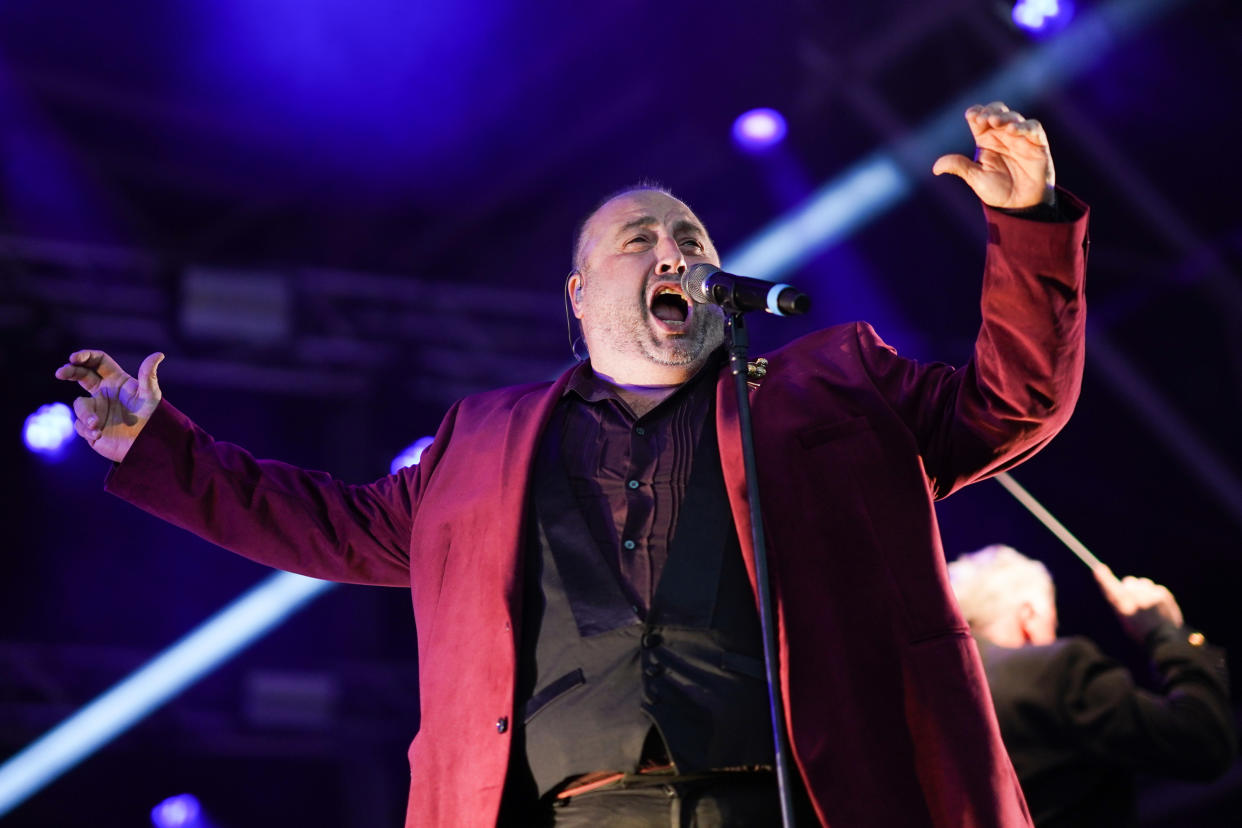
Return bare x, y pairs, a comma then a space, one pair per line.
180, 811
1042, 17
759, 129
412, 454
49, 430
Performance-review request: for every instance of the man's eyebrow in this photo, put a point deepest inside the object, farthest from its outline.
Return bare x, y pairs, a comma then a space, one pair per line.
634, 224
679, 227
688, 226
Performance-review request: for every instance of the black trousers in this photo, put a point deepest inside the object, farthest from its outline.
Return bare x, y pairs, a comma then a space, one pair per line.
731, 800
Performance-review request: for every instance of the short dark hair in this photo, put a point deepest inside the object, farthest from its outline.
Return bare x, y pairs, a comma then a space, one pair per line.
644, 184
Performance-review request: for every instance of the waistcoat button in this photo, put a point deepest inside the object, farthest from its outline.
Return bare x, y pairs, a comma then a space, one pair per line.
502, 724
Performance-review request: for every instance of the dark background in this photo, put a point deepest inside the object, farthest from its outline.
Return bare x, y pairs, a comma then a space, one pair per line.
403, 180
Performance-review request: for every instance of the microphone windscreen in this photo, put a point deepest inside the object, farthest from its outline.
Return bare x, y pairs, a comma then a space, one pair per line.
692, 281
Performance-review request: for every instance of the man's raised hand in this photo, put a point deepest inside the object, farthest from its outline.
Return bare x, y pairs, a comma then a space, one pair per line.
1013, 164
1140, 603
118, 406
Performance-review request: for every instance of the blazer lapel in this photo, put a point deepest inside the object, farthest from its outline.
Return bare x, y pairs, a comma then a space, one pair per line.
733, 466
527, 424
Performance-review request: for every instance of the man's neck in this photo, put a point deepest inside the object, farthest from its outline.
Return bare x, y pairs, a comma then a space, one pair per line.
643, 398
647, 387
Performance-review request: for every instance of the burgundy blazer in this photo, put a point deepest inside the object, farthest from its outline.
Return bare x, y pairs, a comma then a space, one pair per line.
886, 702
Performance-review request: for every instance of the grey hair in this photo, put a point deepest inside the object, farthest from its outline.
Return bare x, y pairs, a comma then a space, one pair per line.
994, 581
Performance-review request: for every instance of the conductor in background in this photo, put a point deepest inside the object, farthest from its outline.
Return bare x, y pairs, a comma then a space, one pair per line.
1076, 725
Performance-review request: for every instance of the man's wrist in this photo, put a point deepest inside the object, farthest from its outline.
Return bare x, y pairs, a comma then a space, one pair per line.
1048, 209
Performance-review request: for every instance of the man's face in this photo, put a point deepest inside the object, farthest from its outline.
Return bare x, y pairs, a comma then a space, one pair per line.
639, 326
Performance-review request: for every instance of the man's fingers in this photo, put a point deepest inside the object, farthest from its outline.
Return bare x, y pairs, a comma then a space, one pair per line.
87, 379
1000, 119
997, 115
85, 412
148, 382
1114, 590
89, 359
86, 433
1106, 579
986, 111
1033, 130
88, 368
955, 164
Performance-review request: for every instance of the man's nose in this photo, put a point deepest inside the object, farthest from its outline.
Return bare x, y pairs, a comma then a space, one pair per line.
669, 258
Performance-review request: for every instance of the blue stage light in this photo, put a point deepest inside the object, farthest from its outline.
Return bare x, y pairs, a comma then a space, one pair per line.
759, 129
877, 183
829, 215
411, 455
215, 640
1041, 17
181, 811
49, 430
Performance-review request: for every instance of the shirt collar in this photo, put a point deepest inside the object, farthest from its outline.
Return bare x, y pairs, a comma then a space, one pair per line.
584, 382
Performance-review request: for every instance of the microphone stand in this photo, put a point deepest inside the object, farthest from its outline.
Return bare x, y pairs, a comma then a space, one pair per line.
739, 342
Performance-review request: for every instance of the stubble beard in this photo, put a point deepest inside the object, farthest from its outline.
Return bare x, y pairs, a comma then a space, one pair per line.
640, 336
691, 347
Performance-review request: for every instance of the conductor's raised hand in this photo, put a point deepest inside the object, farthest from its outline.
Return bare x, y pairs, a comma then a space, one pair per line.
118, 406
1012, 168
1140, 603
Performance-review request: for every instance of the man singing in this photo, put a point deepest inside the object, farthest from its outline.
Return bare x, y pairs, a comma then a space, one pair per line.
579, 554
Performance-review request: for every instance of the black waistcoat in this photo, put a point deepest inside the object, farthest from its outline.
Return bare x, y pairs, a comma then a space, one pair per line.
595, 677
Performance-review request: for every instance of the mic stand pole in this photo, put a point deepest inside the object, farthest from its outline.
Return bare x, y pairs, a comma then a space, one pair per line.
738, 345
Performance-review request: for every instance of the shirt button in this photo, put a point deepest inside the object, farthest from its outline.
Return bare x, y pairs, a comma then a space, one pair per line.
640, 431
651, 640
654, 670
629, 544
502, 724
633, 484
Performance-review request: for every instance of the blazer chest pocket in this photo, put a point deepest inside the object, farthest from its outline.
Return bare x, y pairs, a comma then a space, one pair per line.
817, 435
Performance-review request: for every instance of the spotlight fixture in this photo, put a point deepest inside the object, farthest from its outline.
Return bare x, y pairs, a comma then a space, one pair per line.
759, 129
49, 430
411, 454
1042, 17
180, 811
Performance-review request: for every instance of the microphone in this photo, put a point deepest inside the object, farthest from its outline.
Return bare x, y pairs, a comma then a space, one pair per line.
707, 284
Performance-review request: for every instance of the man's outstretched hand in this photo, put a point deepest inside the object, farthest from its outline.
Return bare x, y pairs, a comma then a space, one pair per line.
1013, 165
118, 406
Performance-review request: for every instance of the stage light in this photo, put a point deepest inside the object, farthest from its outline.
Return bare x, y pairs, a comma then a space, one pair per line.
759, 129
879, 182
181, 811
117, 709
49, 430
411, 455
1042, 17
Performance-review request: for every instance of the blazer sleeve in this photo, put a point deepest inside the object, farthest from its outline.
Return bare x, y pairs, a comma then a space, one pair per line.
1186, 730
1023, 379
271, 512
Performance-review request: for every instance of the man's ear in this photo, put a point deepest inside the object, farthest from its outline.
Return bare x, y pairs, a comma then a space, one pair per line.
573, 286
1026, 613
